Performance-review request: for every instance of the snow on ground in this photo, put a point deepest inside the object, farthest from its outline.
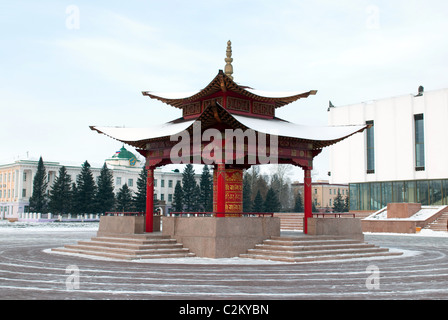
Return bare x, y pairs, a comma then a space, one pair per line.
22, 228
423, 214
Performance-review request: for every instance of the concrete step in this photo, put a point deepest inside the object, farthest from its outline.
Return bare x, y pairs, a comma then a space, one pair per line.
323, 242
440, 224
123, 256
132, 246
313, 248
129, 247
321, 258
319, 252
156, 250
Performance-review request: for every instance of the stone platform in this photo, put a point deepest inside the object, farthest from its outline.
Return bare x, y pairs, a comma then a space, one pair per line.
227, 237
122, 225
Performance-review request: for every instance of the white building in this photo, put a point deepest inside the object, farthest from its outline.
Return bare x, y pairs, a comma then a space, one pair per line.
16, 180
402, 157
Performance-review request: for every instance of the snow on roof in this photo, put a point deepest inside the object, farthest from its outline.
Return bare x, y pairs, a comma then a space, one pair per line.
274, 94
138, 134
269, 126
172, 95
288, 129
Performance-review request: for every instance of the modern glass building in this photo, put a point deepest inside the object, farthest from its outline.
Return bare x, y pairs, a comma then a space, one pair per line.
371, 196
402, 157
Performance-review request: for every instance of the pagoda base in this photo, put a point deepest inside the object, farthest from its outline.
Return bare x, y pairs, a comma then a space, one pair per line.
345, 227
124, 225
225, 237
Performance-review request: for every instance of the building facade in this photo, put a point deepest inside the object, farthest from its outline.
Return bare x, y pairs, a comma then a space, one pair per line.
402, 157
323, 193
16, 180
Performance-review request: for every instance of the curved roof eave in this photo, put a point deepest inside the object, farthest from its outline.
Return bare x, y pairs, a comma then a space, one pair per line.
319, 136
223, 82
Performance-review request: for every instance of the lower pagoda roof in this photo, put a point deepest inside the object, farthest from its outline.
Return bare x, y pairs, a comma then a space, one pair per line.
318, 136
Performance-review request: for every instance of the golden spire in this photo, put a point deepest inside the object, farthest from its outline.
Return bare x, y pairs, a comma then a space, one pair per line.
228, 70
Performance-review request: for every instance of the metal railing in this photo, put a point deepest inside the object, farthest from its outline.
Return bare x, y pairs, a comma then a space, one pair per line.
214, 214
335, 214
121, 213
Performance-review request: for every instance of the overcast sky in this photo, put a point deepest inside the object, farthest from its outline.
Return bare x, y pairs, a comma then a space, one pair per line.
66, 65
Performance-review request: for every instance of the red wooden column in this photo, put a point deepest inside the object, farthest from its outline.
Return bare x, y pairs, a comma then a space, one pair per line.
308, 199
149, 199
221, 190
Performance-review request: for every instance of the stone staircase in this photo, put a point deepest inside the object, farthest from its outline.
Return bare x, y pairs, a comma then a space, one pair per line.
129, 247
290, 221
440, 224
314, 248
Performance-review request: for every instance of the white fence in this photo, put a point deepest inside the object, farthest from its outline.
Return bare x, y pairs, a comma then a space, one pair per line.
58, 217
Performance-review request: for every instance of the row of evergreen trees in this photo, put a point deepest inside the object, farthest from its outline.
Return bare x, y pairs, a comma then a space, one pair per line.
191, 196
84, 195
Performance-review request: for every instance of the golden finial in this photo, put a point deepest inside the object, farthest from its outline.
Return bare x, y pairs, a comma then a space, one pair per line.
228, 70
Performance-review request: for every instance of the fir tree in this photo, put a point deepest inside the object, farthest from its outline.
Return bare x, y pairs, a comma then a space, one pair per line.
206, 190
271, 203
140, 196
247, 194
338, 205
61, 193
86, 190
188, 188
38, 200
347, 204
258, 202
105, 197
124, 199
74, 206
197, 205
177, 203
313, 208
298, 207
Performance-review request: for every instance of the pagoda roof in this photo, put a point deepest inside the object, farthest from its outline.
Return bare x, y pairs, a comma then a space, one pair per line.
319, 136
222, 82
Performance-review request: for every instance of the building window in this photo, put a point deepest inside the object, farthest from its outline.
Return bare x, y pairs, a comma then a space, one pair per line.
162, 196
162, 183
370, 145
170, 183
170, 197
118, 181
419, 143
23, 193
130, 182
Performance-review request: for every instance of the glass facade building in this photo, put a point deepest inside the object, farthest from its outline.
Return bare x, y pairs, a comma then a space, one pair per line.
373, 196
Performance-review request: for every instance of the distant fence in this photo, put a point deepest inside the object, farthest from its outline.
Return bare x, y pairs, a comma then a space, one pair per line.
58, 217
214, 214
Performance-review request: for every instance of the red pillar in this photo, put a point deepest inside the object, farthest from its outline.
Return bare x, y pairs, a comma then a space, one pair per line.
221, 190
308, 200
149, 199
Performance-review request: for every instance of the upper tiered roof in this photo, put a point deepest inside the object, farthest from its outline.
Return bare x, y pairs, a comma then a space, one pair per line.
235, 98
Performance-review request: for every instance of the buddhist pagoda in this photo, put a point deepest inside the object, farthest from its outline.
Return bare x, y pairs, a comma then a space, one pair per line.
231, 127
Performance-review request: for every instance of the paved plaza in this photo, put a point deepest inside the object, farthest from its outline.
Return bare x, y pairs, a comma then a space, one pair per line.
29, 271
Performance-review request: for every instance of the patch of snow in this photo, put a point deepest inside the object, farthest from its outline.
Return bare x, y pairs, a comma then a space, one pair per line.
423, 214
